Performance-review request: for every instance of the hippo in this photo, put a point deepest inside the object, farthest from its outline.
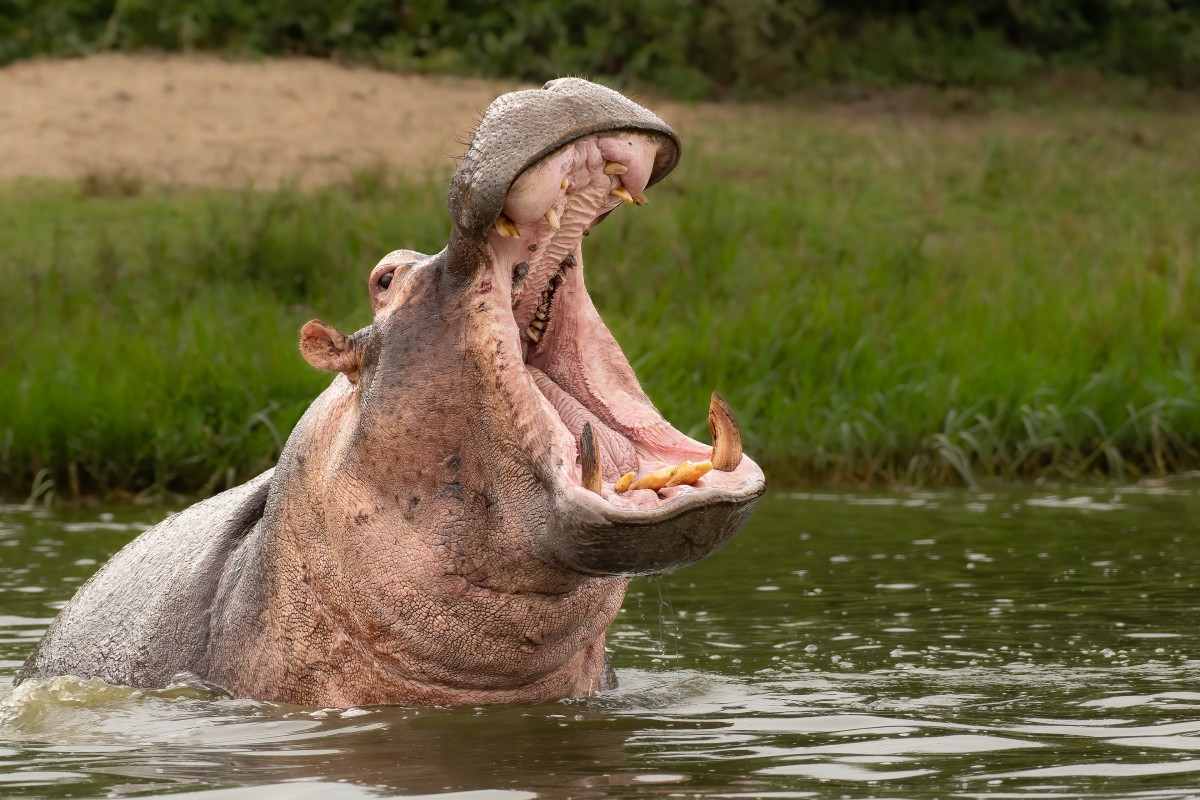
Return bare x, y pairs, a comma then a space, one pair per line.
456, 518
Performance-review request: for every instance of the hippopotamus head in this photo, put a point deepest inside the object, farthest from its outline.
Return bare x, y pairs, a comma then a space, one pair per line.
488, 395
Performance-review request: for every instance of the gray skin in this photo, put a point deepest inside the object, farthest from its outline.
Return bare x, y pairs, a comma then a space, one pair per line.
426, 537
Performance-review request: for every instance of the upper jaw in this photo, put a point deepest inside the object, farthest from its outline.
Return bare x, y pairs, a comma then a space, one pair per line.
520, 129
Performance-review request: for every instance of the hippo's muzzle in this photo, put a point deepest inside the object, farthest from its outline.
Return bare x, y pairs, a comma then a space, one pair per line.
631, 494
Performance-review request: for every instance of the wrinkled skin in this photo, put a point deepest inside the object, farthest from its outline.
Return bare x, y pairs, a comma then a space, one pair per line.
427, 537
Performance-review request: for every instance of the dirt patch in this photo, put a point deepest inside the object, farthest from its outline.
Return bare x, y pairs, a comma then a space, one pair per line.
200, 120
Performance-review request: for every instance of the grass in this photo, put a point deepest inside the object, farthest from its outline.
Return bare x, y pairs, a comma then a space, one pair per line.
911, 298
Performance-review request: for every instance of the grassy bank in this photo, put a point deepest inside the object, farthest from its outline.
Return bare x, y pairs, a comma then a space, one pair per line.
898, 297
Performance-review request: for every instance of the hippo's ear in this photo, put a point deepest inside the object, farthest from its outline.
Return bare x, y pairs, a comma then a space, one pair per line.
325, 347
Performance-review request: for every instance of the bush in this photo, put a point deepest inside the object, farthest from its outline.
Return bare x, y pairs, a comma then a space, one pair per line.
725, 47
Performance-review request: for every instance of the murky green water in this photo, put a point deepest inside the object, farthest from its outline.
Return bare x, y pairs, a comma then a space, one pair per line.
1012, 645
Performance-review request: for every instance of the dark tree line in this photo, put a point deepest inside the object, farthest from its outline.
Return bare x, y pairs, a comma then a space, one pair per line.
688, 49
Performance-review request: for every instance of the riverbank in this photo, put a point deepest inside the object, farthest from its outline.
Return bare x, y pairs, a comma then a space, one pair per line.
903, 295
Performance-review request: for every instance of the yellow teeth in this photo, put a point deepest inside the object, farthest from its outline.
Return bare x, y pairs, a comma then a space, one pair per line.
688, 473
685, 474
640, 199
654, 480
623, 194
552, 218
507, 228
566, 184
726, 435
613, 168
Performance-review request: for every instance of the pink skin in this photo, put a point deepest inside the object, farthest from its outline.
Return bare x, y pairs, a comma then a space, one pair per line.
469, 613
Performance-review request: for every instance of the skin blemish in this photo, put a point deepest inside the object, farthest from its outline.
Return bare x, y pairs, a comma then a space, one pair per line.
485, 285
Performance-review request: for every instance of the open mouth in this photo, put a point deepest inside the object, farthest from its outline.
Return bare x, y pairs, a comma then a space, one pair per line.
620, 448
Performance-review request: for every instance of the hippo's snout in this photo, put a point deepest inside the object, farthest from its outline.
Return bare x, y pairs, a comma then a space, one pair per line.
545, 167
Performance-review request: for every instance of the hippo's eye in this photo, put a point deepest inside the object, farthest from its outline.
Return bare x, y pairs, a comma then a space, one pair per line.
385, 280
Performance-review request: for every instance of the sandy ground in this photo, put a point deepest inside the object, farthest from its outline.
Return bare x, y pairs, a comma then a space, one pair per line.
200, 120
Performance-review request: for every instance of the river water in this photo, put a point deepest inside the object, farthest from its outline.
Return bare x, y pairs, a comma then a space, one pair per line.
1036, 643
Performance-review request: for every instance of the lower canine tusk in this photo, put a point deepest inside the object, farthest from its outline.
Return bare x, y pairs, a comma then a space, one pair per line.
726, 435
589, 458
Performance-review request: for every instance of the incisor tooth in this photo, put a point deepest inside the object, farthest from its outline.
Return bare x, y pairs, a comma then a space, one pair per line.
506, 228
623, 482
566, 184
622, 193
726, 436
589, 459
552, 218
688, 473
654, 480
615, 168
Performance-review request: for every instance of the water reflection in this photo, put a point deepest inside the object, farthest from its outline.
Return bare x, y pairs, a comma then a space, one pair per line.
999, 645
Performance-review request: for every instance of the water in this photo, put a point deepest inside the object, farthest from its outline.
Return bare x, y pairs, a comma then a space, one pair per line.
1025, 644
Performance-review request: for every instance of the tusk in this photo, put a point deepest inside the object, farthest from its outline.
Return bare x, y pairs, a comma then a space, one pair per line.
552, 218
506, 228
640, 199
589, 457
688, 473
654, 480
622, 484
726, 436
613, 168
622, 193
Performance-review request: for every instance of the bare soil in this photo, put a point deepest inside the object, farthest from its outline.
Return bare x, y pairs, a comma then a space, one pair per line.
201, 120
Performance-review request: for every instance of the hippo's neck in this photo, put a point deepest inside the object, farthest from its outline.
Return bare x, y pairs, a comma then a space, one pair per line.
337, 600
291, 629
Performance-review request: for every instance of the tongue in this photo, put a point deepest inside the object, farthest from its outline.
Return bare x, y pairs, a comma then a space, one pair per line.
618, 452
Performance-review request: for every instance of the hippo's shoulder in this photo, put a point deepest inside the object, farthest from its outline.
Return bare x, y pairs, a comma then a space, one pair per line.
144, 616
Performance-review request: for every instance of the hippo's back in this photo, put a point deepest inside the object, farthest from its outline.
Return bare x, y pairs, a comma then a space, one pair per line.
144, 617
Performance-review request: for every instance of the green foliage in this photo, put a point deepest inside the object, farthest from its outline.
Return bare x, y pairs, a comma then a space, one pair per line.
905, 298
687, 49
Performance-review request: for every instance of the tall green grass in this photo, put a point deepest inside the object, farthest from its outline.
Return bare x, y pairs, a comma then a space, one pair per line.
901, 298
